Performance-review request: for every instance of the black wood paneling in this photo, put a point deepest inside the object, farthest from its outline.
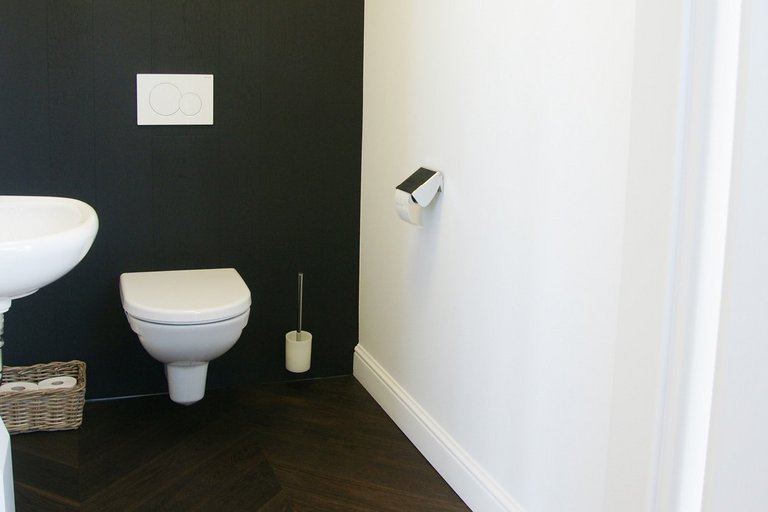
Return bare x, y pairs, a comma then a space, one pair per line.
24, 97
272, 188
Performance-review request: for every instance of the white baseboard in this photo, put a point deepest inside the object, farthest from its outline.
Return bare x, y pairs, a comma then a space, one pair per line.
476, 487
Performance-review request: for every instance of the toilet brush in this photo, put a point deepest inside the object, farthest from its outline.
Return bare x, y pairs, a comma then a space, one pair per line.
298, 343
301, 301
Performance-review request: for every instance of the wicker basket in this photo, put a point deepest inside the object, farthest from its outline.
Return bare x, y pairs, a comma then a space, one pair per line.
44, 409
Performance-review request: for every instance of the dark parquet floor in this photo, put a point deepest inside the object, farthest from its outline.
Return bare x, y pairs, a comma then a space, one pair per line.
306, 446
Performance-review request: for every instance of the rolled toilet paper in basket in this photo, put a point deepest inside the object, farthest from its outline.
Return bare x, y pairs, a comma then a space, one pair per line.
10, 387
61, 381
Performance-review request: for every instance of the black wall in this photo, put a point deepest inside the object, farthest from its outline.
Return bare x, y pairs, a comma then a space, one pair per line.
272, 188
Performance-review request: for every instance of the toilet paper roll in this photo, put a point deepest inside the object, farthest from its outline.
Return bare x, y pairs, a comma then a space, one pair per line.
10, 387
407, 208
62, 381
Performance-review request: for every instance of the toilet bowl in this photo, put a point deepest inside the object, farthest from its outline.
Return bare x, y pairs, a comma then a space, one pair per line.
185, 319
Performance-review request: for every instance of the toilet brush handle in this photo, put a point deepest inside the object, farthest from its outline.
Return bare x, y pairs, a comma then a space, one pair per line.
301, 300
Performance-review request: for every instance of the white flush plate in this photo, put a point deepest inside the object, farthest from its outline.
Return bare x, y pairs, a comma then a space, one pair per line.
174, 99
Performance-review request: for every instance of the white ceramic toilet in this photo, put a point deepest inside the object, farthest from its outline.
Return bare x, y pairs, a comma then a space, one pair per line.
186, 318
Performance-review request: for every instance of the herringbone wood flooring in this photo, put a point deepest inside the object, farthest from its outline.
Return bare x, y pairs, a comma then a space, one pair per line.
321, 445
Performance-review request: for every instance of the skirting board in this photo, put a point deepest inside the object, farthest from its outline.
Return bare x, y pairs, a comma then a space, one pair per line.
476, 487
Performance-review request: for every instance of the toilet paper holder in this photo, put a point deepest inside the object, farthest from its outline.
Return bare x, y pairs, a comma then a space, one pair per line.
417, 192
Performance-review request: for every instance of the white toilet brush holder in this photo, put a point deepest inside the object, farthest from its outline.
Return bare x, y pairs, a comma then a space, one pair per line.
298, 343
298, 351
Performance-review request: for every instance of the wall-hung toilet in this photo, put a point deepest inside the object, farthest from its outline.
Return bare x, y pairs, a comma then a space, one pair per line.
186, 318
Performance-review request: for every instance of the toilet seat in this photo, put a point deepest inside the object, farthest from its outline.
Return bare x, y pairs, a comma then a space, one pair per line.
184, 297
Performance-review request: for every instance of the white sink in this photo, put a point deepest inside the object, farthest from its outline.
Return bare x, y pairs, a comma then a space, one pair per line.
7, 502
41, 239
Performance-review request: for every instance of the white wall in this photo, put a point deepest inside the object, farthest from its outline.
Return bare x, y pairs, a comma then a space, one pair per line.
738, 450
549, 339
497, 322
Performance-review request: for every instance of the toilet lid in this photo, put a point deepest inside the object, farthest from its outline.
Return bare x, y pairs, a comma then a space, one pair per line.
184, 296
